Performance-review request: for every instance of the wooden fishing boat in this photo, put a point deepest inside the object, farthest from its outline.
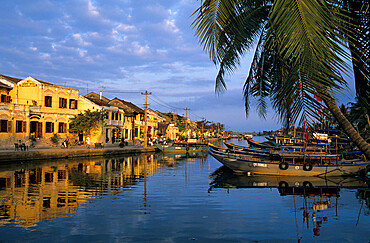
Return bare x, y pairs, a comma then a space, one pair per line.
284, 140
235, 147
290, 148
242, 163
293, 153
182, 147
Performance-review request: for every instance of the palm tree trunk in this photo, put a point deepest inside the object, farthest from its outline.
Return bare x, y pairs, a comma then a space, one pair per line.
347, 126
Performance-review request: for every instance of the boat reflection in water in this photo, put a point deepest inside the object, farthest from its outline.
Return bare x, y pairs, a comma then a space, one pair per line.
40, 191
318, 195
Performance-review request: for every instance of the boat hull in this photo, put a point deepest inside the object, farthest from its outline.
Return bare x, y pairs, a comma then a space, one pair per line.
243, 164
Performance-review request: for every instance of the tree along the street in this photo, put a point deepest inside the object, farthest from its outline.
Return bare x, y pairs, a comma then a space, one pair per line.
300, 54
87, 121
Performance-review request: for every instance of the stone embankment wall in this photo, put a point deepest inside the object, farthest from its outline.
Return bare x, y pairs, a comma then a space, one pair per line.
45, 154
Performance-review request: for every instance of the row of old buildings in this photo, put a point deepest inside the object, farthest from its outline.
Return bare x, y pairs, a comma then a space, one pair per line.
32, 108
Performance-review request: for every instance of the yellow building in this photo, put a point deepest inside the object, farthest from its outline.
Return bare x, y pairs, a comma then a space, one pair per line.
167, 126
33, 107
152, 122
134, 119
113, 129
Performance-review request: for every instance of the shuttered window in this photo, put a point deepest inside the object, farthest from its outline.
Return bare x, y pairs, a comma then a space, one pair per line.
49, 127
62, 127
48, 101
20, 126
72, 104
3, 125
62, 103
5, 98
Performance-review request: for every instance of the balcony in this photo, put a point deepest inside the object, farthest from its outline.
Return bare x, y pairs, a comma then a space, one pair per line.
19, 107
140, 123
4, 106
113, 122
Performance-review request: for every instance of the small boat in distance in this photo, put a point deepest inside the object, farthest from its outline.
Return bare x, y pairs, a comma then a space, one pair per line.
183, 147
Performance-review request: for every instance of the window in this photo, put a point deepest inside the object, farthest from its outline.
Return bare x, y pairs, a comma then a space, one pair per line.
62, 103
49, 127
5, 125
5, 98
112, 116
72, 104
20, 126
62, 127
48, 101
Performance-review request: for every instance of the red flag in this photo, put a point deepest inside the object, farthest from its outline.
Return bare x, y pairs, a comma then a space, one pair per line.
307, 130
317, 98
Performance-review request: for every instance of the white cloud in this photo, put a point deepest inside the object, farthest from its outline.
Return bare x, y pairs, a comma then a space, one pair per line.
80, 39
161, 51
126, 28
44, 55
139, 49
81, 52
170, 26
92, 10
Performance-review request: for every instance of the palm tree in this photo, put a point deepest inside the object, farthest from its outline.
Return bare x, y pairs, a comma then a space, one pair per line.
300, 53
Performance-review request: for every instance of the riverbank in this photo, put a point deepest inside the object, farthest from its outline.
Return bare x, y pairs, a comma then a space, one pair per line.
48, 153
74, 152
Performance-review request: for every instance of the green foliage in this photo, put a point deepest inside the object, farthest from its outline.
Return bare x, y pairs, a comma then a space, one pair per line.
33, 138
121, 144
180, 125
54, 139
301, 50
87, 121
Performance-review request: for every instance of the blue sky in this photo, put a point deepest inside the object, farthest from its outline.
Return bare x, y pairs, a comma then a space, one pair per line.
123, 47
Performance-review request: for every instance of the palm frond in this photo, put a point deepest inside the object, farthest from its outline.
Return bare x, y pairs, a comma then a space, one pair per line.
306, 31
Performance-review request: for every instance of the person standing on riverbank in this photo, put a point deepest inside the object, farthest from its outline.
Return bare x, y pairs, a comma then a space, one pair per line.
88, 142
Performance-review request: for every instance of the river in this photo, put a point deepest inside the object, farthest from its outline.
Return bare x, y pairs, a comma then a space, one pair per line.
174, 198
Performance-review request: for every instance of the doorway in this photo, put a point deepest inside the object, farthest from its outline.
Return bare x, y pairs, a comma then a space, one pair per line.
36, 129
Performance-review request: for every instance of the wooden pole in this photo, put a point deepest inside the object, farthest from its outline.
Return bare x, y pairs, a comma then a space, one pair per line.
145, 118
186, 123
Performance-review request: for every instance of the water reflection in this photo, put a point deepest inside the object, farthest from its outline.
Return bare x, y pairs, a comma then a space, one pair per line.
34, 192
314, 198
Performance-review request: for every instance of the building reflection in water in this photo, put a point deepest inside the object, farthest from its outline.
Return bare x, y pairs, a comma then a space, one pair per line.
31, 193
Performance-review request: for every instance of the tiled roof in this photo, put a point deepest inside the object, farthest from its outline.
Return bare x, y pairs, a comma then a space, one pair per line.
164, 116
10, 79
17, 80
96, 99
128, 107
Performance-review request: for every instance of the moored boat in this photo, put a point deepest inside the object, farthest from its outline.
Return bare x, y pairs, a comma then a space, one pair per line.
294, 153
182, 147
263, 145
257, 165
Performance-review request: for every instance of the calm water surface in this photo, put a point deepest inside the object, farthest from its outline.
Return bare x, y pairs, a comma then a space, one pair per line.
175, 198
